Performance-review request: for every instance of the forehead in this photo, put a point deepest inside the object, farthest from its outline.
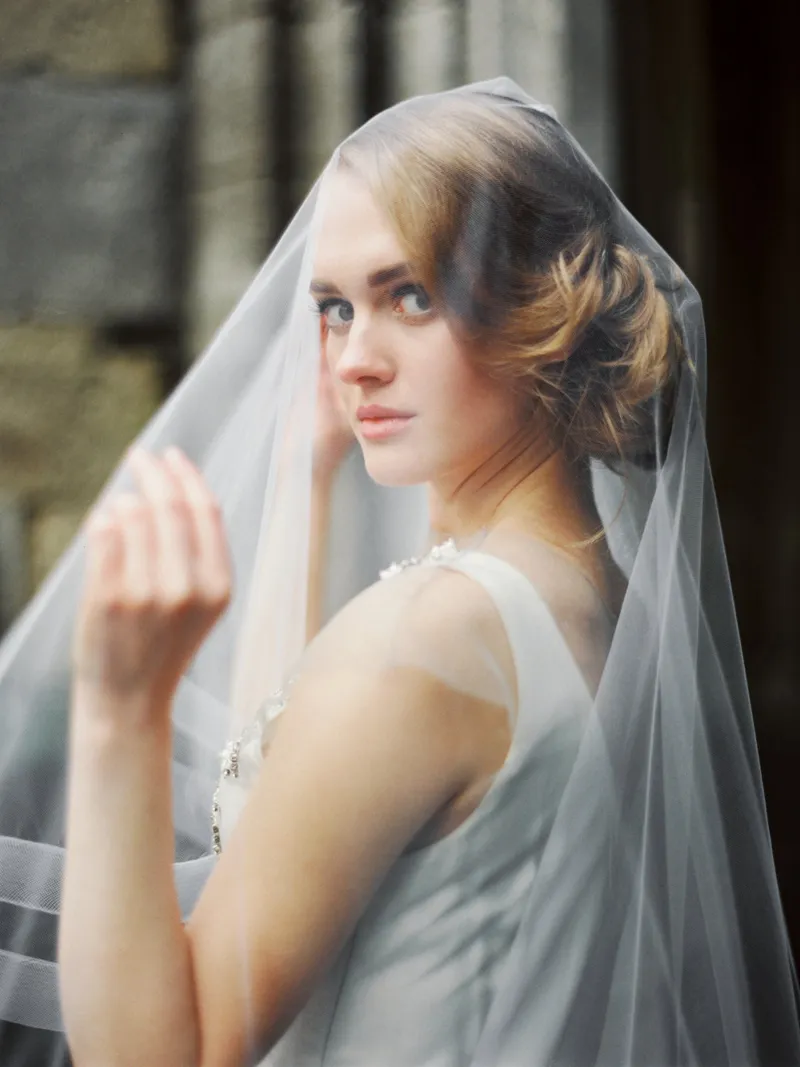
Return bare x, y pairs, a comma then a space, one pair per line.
354, 238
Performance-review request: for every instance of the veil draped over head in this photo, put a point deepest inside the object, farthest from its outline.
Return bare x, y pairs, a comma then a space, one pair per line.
659, 851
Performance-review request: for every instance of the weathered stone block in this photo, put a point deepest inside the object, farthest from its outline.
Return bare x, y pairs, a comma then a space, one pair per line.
67, 412
230, 228
87, 201
484, 40
425, 37
119, 393
326, 104
87, 38
525, 40
50, 535
230, 120
535, 38
209, 15
41, 374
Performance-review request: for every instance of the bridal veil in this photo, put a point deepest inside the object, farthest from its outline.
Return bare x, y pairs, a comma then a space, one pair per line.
660, 850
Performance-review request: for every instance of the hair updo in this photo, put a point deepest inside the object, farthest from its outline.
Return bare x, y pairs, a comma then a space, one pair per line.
516, 236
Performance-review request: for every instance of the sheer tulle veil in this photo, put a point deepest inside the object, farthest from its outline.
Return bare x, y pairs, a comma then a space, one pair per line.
660, 851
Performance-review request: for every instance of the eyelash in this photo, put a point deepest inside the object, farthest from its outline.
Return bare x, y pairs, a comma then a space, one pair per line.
327, 303
408, 289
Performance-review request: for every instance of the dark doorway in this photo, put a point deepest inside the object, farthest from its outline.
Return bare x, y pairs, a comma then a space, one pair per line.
710, 105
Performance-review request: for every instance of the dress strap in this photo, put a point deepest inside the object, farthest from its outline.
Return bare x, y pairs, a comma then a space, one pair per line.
547, 674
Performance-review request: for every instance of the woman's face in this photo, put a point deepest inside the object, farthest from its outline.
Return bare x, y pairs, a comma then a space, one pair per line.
422, 412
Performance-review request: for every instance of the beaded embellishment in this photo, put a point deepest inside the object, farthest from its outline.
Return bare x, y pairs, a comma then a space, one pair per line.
267, 713
276, 702
446, 550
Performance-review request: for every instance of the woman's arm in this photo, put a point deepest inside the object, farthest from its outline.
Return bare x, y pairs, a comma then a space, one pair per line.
158, 577
343, 792
125, 963
373, 745
365, 755
333, 438
358, 766
321, 492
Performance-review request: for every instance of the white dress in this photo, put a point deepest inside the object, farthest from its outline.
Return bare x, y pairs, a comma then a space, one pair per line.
415, 981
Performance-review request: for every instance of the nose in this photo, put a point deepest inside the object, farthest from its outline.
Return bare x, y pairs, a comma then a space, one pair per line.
364, 357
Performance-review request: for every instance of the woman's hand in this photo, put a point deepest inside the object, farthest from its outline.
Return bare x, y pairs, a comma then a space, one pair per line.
333, 435
158, 579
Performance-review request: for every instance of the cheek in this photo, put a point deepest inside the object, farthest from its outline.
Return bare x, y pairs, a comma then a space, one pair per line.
445, 366
481, 406
459, 380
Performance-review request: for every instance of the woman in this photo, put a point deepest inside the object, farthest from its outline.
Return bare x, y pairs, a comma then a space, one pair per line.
489, 816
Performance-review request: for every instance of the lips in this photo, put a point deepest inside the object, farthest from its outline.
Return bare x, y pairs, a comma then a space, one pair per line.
379, 423
377, 411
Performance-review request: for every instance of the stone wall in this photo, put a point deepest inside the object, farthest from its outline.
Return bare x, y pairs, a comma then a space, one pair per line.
91, 121
119, 135
273, 90
230, 175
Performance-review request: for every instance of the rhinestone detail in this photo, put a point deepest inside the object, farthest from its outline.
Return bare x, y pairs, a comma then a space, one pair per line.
276, 702
446, 550
267, 713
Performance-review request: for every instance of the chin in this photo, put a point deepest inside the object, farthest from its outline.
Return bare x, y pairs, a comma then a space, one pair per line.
394, 468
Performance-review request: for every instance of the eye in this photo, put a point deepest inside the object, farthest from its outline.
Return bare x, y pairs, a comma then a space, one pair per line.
412, 300
336, 313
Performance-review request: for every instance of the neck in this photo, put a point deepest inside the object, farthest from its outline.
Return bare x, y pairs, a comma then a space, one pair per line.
527, 483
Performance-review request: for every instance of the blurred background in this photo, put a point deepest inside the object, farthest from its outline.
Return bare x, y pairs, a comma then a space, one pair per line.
152, 150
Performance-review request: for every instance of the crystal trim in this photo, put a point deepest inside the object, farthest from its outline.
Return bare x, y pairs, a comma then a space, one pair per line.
267, 713
446, 550
276, 702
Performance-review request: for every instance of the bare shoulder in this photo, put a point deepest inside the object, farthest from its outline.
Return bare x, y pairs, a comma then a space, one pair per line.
436, 620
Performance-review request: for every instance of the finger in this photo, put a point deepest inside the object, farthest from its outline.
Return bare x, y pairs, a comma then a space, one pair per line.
213, 555
325, 376
176, 548
134, 518
104, 556
330, 394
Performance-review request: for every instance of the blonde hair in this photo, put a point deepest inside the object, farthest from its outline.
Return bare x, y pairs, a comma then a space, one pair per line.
514, 233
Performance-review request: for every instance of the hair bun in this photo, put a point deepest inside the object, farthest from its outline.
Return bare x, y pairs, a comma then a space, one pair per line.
596, 347
622, 365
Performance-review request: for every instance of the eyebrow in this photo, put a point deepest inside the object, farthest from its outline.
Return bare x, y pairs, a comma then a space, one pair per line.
374, 281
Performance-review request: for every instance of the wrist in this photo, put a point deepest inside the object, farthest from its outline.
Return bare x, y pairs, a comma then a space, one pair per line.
111, 713
328, 461
322, 480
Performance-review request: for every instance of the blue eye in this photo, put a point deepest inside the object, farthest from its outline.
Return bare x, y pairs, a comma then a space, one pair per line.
412, 300
335, 312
